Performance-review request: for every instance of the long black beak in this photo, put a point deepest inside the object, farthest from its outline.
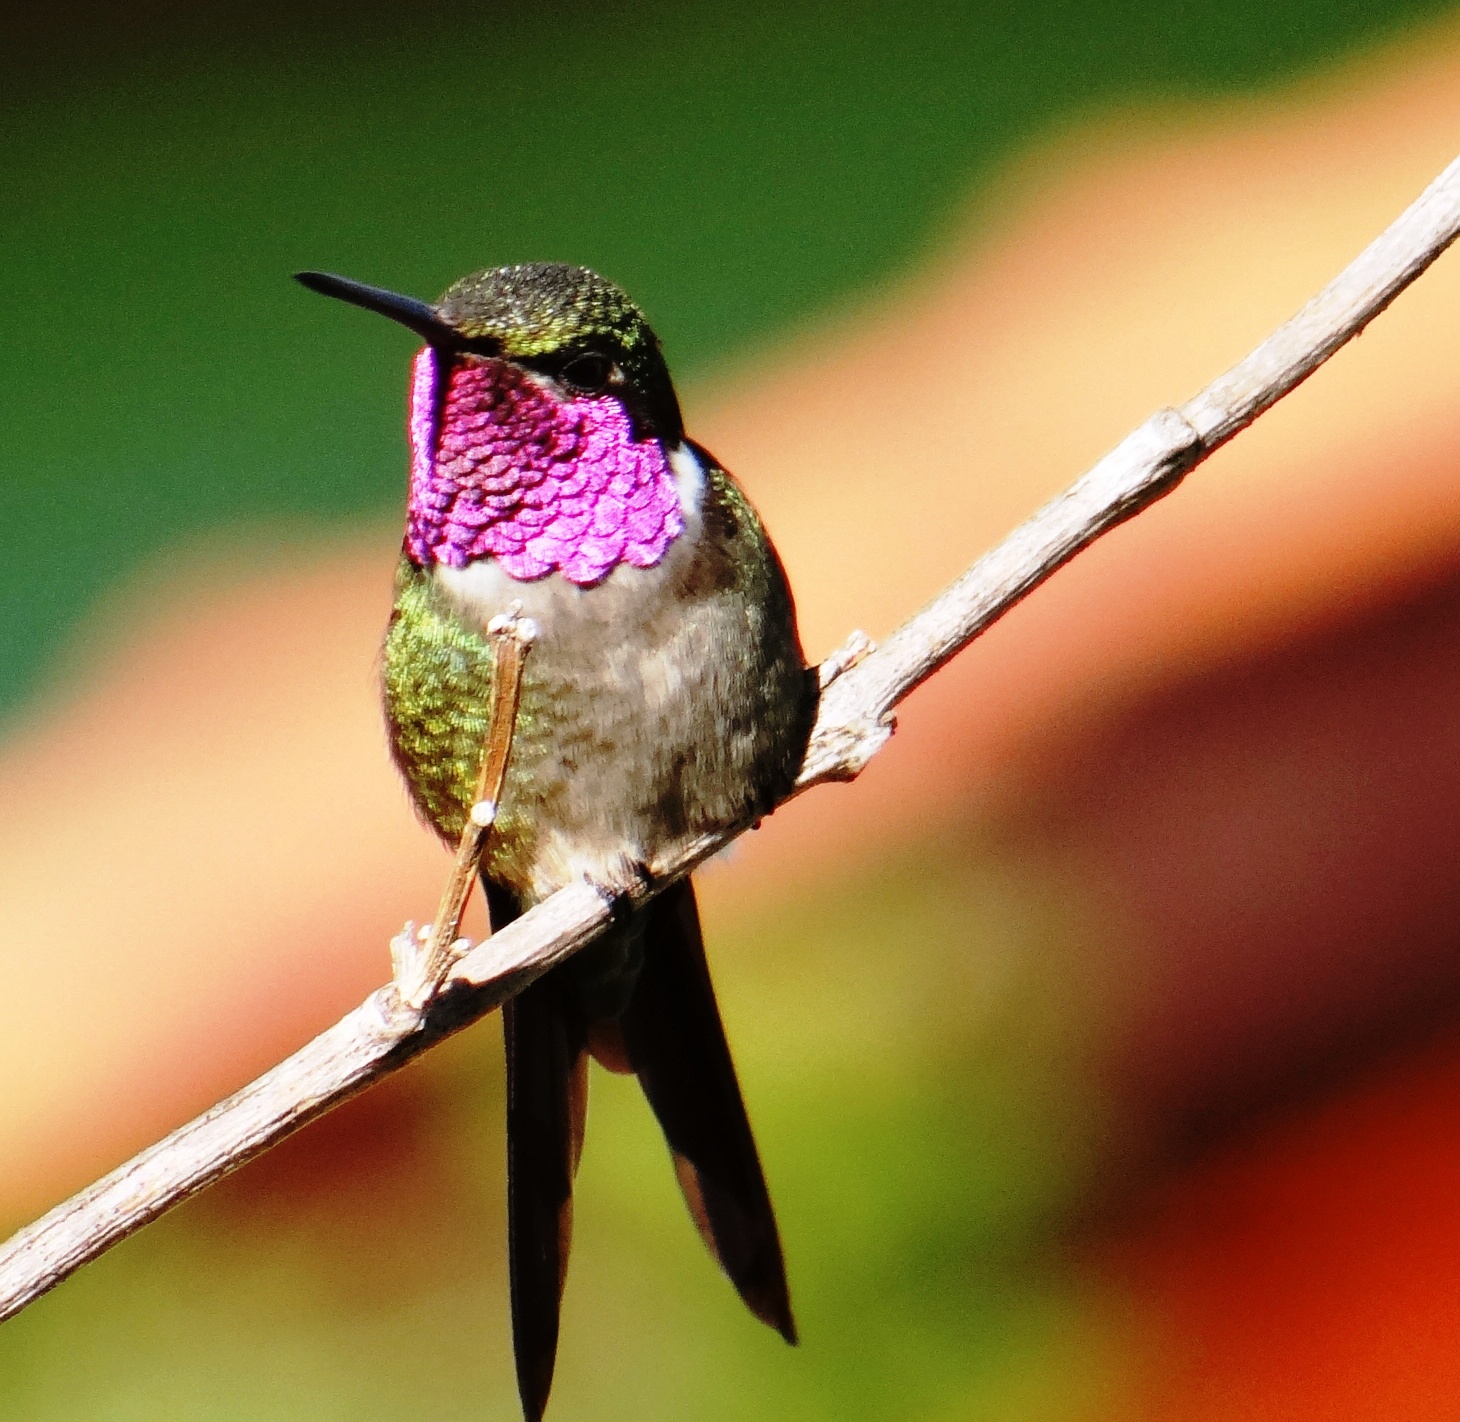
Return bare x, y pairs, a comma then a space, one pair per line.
417, 315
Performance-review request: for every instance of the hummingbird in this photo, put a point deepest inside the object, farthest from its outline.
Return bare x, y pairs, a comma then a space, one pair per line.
666, 696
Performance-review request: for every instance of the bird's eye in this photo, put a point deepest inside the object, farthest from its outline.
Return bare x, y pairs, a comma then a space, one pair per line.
589, 373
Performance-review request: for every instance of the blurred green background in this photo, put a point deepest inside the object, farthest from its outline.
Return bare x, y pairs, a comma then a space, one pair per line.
740, 169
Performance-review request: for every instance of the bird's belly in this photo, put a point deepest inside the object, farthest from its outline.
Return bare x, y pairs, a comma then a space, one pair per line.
645, 719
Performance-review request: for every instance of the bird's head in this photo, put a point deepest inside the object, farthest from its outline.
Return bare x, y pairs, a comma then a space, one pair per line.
544, 424
575, 331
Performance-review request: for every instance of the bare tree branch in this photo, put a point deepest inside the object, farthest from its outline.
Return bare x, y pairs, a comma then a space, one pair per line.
861, 687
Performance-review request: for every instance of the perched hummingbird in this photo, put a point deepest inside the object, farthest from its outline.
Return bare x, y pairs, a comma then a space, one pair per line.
666, 695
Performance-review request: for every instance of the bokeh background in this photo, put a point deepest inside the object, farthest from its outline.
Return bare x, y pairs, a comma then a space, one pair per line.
1103, 1041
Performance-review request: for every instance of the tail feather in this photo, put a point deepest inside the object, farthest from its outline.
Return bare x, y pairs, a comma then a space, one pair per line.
547, 1098
676, 1044
670, 1035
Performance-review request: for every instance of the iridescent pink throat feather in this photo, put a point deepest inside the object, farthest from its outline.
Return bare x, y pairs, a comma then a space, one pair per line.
503, 468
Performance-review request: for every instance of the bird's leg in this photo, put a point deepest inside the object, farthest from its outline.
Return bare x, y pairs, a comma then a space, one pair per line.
423, 957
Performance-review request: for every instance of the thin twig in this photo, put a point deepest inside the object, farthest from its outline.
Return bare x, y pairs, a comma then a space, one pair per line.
421, 960
861, 687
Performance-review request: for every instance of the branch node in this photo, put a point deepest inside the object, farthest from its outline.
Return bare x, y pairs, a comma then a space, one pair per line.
513, 624
418, 968
856, 648
390, 1016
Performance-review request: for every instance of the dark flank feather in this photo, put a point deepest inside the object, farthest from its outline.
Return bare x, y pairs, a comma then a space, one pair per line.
676, 1045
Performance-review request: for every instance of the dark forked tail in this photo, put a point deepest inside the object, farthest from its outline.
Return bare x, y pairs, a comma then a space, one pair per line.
671, 1037
676, 1046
